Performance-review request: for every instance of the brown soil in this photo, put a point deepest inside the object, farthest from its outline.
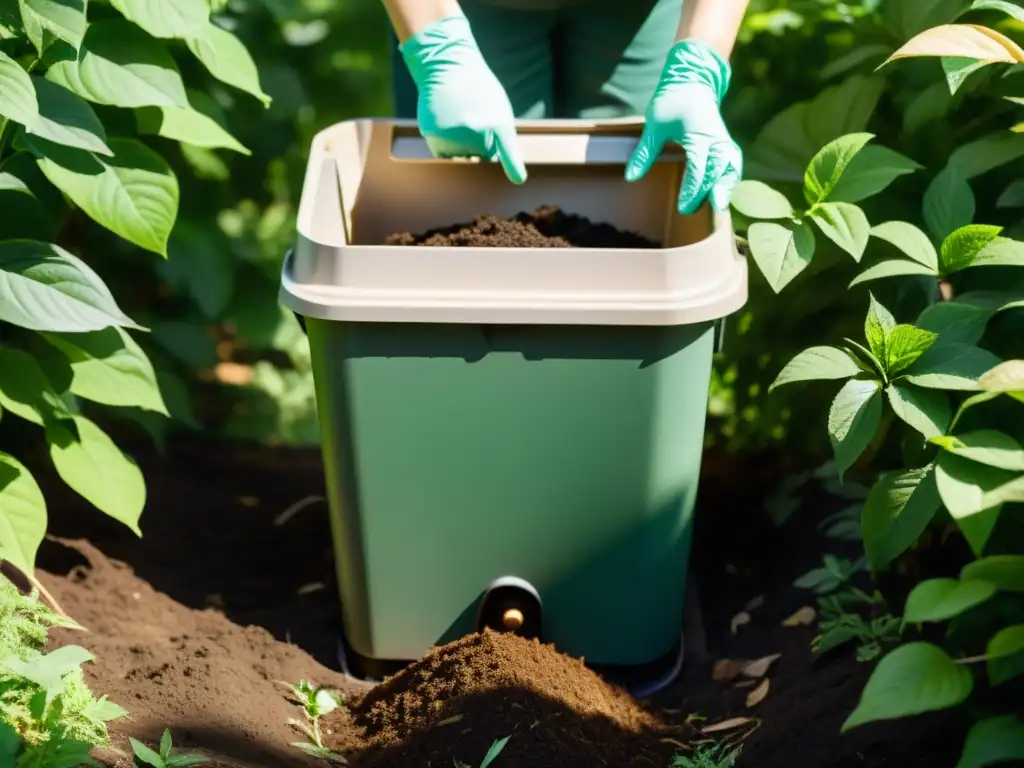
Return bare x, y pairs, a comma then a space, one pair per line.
232, 589
547, 227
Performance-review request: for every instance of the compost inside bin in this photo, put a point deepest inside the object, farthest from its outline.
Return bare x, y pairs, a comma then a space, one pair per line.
546, 227
453, 704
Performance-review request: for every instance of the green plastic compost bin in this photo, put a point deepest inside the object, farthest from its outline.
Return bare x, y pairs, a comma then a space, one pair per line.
511, 437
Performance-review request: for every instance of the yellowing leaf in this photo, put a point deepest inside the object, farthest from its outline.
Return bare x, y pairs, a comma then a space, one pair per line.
969, 41
757, 695
802, 618
760, 667
739, 620
728, 725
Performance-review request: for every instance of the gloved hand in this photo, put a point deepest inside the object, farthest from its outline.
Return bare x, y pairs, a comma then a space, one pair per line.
463, 110
685, 109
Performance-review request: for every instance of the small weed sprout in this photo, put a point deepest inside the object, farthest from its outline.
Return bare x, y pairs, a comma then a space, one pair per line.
839, 625
165, 758
491, 756
315, 703
707, 756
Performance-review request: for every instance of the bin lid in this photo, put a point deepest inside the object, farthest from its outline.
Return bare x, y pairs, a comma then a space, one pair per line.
363, 174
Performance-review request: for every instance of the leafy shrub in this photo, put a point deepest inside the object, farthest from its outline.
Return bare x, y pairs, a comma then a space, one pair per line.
934, 404
78, 91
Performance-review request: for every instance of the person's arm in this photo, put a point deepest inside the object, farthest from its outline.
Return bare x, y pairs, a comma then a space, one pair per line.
715, 22
409, 17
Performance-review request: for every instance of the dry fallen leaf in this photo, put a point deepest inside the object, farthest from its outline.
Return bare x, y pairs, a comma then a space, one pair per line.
744, 684
757, 695
760, 667
802, 618
728, 725
739, 620
726, 670
754, 604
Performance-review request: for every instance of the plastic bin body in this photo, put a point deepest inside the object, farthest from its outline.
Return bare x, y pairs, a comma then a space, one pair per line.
487, 413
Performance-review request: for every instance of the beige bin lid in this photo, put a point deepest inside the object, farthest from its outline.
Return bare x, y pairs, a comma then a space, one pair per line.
367, 179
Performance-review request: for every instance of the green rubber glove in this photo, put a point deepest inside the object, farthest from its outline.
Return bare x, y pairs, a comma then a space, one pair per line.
463, 111
685, 109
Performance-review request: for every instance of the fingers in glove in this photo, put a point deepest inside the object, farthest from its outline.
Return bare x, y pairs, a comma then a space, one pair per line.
721, 191
695, 181
505, 149
646, 152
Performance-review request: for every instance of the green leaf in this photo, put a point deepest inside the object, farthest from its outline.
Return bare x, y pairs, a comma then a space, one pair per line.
165, 744
48, 671
194, 125
1005, 571
897, 511
904, 345
948, 203
877, 327
969, 488
1006, 378
145, 754
1013, 195
911, 680
93, 466
958, 69
17, 96
956, 321
944, 599
25, 391
891, 268
110, 368
22, 515
817, 364
871, 171
45, 288
781, 252
994, 741
121, 66
756, 200
928, 106
179, 19
64, 19
986, 446
911, 241
987, 153
226, 58
853, 420
999, 5
829, 164
65, 118
133, 194
853, 59
845, 225
1005, 653
494, 751
952, 366
103, 711
926, 410
961, 247
200, 263
1001, 252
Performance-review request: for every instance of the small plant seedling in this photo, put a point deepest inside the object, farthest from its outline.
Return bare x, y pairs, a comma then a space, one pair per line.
315, 703
833, 574
707, 756
165, 758
840, 626
491, 756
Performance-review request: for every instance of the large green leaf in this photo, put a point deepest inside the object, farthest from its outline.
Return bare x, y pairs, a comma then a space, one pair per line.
897, 511
93, 466
967, 487
956, 321
816, 364
122, 66
1006, 654
18, 100
944, 599
25, 391
878, 324
845, 225
952, 366
64, 19
201, 263
22, 515
781, 252
961, 247
1010, 9
45, 288
904, 346
948, 203
853, 420
987, 153
829, 164
756, 200
197, 125
986, 446
910, 240
66, 118
1005, 379
1012, 196
1001, 252
995, 741
913, 679
1005, 571
226, 58
109, 367
133, 194
871, 171
926, 410
891, 268
181, 18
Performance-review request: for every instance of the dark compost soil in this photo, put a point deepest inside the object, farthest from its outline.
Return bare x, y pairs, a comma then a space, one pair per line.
546, 227
232, 589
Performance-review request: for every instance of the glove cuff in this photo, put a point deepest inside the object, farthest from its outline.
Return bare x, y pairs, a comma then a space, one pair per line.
694, 61
434, 45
